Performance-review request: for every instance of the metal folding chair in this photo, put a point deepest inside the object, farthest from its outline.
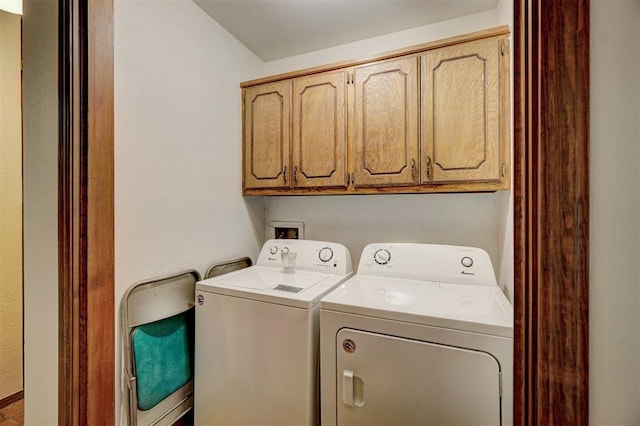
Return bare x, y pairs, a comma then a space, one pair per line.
157, 317
226, 267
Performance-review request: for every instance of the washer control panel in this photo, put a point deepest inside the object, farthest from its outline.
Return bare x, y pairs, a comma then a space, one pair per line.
429, 262
310, 255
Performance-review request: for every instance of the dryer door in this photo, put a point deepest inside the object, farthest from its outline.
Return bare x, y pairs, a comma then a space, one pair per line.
387, 380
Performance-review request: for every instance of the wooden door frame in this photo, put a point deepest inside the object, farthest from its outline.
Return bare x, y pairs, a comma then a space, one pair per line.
85, 214
551, 212
551, 136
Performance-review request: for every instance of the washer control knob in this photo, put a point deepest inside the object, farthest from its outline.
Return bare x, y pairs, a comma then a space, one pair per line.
382, 256
273, 250
325, 254
466, 261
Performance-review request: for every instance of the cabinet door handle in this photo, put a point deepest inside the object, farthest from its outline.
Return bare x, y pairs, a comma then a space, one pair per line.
428, 166
284, 174
413, 169
295, 175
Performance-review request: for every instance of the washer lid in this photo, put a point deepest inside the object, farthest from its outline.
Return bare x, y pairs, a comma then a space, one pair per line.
300, 289
480, 309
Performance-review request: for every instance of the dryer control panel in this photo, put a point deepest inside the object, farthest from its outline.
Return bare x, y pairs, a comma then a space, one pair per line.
308, 255
429, 262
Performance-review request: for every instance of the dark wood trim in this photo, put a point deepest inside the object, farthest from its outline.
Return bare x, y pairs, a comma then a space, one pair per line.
86, 219
8, 400
100, 210
520, 90
70, 372
551, 212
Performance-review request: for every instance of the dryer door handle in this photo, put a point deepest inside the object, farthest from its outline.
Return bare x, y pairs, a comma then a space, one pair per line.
347, 387
352, 389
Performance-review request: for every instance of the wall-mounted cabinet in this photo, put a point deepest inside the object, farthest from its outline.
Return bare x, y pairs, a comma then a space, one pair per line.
319, 149
461, 139
431, 118
267, 121
386, 150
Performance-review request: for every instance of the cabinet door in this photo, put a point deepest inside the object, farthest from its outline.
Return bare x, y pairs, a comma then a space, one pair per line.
386, 123
461, 113
319, 130
266, 135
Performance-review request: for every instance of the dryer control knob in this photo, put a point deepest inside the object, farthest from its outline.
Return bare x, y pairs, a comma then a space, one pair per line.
273, 250
466, 261
325, 254
382, 256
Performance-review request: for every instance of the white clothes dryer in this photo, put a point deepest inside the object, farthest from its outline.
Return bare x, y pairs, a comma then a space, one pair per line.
257, 336
421, 335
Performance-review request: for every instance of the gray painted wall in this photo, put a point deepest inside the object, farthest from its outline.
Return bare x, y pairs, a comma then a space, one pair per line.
614, 270
40, 153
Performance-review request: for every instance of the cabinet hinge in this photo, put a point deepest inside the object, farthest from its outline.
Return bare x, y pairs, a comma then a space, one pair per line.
502, 48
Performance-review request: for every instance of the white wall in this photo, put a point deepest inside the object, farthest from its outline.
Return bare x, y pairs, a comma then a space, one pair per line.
40, 162
357, 220
178, 149
11, 202
614, 334
480, 220
373, 46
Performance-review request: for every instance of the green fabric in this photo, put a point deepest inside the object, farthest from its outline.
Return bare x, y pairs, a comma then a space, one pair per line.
162, 359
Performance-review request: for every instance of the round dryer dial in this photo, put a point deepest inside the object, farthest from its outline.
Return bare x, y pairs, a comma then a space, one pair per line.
466, 261
382, 256
273, 250
325, 254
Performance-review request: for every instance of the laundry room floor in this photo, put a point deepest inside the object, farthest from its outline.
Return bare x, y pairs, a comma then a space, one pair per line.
12, 414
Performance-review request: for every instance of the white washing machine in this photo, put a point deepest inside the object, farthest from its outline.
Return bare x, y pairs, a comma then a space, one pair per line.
257, 336
421, 335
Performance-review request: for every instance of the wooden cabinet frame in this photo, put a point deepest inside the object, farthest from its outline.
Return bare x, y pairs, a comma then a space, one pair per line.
404, 175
